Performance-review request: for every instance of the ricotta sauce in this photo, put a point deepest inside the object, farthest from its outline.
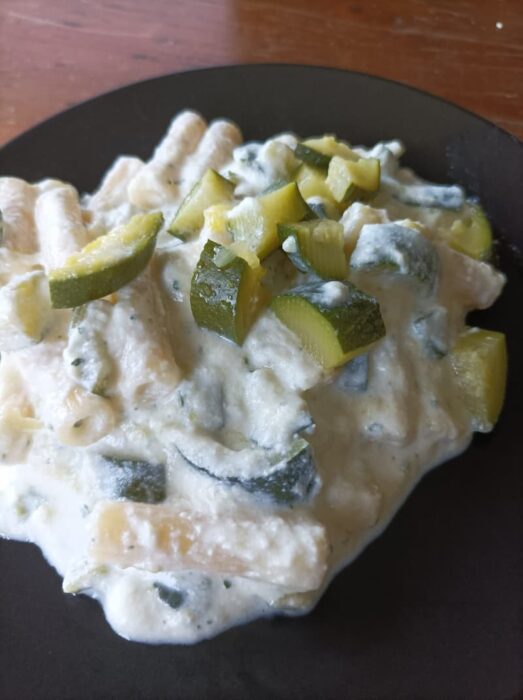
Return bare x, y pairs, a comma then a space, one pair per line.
134, 378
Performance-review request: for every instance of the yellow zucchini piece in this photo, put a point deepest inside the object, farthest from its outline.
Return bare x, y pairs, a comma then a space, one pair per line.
215, 221
288, 551
105, 264
479, 361
349, 180
25, 310
254, 221
312, 183
316, 246
211, 189
330, 146
471, 235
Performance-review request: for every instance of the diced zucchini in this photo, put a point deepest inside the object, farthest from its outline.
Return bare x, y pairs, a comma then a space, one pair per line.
330, 146
254, 220
316, 246
86, 356
107, 263
226, 292
335, 321
479, 361
132, 479
399, 250
275, 185
211, 189
353, 377
431, 331
215, 221
312, 183
311, 156
437, 196
471, 235
282, 479
25, 310
349, 180
170, 596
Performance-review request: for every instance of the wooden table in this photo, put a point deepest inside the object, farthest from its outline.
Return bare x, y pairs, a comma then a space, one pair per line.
55, 53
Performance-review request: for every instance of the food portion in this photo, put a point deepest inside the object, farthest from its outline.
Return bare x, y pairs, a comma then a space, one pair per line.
224, 371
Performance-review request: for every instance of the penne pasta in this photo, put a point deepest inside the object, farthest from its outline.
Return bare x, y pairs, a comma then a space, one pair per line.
76, 416
214, 151
136, 333
290, 552
113, 188
59, 225
17, 200
157, 182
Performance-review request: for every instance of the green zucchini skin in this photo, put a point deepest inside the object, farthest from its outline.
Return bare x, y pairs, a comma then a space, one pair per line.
353, 377
226, 299
133, 479
214, 292
398, 250
357, 321
291, 480
311, 156
431, 331
432, 196
170, 596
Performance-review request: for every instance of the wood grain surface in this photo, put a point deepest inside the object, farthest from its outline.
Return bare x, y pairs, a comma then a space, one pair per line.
55, 53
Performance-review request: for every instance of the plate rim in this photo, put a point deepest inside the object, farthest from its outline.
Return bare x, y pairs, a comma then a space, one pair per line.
13, 142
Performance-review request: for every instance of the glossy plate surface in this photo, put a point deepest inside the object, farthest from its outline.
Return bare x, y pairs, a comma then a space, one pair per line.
433, 608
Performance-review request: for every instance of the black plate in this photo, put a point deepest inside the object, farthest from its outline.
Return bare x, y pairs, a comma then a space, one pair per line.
432, 609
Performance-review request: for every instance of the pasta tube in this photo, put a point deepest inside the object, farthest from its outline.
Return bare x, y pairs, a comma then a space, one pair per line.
288, 552
157, 182
17, 199
113, 188
59, 225
214, 151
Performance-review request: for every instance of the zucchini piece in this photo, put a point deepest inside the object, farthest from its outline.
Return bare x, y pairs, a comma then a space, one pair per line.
349, 180
437, 196
226, 291
479, 361
399, 250
215, 221
254, 220
330, 146
431, 331
312, 183
353, 378
335, 321
316, 246
311, 156
106, 264
210, 190
133, 479
86, 356
282, 479
170, 596
318, 206
25, 310
471, 235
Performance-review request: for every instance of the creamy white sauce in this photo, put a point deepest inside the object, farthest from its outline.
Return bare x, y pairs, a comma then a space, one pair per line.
163, 387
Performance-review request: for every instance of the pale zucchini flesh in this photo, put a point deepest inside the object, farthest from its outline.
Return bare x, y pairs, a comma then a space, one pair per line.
106, 264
